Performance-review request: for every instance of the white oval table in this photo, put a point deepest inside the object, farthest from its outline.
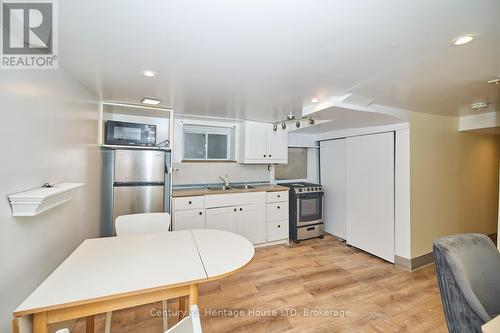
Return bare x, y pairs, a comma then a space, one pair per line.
108, 274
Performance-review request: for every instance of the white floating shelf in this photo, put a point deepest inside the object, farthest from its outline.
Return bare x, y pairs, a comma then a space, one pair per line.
34, 202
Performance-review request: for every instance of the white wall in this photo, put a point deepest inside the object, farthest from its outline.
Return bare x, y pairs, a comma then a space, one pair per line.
402, 191
48, 133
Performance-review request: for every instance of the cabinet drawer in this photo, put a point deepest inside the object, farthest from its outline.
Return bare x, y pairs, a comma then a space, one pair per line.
277, 231
189, 203
277, 211
277, 196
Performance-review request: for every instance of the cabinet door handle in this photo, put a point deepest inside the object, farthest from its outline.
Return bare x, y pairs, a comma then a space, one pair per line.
278, 207
190, 202
241, 209
279, 196
279, 226
235, 209
265, 155
200, 213
270, 155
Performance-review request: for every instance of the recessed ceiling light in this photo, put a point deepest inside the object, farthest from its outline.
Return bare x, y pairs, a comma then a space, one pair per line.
148, 73
314, 100
462, 40
150, 101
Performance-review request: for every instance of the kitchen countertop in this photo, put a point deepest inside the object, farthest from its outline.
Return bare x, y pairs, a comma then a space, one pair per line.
191, 192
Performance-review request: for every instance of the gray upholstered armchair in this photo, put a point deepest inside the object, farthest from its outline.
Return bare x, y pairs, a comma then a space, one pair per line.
468, 271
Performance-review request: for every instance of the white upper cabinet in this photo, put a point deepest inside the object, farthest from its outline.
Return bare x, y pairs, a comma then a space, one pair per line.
277, 144
253, 142
260, 144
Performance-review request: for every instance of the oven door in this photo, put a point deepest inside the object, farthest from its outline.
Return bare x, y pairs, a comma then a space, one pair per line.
309, 209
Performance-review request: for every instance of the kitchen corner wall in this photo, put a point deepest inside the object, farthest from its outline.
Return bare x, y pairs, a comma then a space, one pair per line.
49, 133
454, 180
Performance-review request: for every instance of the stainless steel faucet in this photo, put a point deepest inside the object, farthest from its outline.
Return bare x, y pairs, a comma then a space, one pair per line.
225, 180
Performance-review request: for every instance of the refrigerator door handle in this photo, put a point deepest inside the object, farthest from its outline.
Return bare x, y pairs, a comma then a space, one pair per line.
130, 184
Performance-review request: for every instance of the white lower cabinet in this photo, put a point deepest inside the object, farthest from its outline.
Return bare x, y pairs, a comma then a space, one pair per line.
277, 211
222, 218
189, 219
260, 217
277, 231
251, 223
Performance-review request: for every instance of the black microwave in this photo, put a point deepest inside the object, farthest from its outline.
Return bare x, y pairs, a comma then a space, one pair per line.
130, 134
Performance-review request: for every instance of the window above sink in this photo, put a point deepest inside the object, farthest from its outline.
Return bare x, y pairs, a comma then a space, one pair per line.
208, 143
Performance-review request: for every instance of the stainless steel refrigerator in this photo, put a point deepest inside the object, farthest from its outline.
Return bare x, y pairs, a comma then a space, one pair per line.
140, 182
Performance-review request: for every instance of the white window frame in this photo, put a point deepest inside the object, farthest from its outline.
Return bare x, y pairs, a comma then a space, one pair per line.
207, 130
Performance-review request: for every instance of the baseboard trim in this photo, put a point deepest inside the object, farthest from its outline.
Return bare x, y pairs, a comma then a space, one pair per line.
403, 263
422, 261
428, 258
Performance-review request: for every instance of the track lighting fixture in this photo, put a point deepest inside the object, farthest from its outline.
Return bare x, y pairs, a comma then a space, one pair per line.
298, 122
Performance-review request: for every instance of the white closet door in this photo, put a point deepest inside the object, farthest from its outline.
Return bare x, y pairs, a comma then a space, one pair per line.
333, 179
370, 194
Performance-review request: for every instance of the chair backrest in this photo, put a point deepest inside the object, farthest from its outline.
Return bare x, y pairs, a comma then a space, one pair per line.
468, 271
190, 324
146, 223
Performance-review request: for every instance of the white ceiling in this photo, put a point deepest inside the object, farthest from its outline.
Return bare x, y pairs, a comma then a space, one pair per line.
259, 59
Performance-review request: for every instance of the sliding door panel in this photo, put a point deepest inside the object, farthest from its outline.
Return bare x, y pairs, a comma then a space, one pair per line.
333, 179
370, 193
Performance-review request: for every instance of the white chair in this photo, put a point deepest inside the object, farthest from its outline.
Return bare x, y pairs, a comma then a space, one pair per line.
147, 223
190, 324
136, 224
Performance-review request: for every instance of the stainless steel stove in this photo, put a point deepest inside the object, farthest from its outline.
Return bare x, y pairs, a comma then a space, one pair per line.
306, 211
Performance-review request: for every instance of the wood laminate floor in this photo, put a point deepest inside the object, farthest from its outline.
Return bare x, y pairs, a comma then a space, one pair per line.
324, 285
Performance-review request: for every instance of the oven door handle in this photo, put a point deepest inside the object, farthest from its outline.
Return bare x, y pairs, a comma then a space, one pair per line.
309, 195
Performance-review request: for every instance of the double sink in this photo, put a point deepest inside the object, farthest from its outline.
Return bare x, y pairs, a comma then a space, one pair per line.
230, 187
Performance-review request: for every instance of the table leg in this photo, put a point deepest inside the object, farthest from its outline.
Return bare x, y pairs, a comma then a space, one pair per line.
182, 307
107, 324
164, 306
89, 324
15, 325
193, 295
40, 323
